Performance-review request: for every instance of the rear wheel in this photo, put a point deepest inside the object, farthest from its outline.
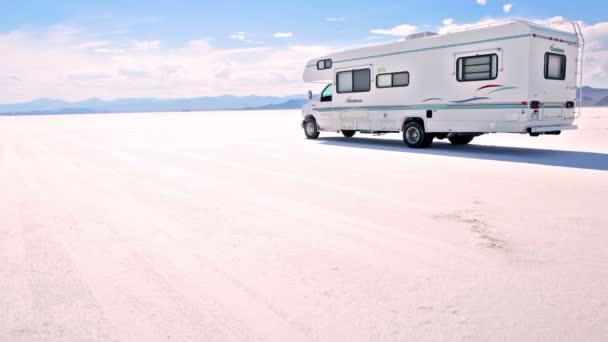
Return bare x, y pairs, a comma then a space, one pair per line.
349, 134
414, 135
311, 130
461, 139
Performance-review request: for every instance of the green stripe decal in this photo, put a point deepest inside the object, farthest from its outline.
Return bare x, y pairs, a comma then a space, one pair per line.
428, 107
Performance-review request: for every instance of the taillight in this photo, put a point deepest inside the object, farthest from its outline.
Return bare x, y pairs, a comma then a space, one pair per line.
535, 104
570, 104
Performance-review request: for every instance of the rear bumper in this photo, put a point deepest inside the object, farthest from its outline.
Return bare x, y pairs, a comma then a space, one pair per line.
557, 128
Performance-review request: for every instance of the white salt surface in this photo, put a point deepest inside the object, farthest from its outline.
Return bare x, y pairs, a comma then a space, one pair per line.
230, 226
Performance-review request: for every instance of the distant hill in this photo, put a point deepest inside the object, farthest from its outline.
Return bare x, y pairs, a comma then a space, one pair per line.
227, 102
595, 97
289, 104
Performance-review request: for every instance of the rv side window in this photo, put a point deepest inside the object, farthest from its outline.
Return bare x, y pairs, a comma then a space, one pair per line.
555, 66
324, 64
477, 68
354, 81
396, 79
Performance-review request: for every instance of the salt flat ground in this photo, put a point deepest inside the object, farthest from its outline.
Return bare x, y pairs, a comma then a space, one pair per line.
230, 226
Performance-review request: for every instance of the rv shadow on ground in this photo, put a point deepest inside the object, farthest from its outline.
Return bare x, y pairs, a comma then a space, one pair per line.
571, 159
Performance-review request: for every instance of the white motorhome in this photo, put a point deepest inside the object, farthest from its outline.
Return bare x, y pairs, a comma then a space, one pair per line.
509, 77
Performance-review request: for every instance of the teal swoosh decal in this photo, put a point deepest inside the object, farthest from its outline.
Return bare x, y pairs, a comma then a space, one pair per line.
501, 89
471, 99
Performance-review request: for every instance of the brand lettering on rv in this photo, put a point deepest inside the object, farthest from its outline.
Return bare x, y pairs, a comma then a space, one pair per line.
558, 50
350, 100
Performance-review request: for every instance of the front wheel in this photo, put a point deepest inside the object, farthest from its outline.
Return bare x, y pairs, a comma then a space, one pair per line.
414, 135
349, 134
460, 139
311, 130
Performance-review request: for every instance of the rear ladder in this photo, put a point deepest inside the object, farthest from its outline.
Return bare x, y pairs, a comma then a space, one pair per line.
579, 67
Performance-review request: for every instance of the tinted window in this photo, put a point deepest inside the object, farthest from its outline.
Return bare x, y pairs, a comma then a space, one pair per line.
362, 80
555, 66
477, 68
401, 79
354, 81
324, 64
396, 79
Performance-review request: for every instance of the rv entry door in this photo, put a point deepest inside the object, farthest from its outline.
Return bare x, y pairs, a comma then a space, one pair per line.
355, 119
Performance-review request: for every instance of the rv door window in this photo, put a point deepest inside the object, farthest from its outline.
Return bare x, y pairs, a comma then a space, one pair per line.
477, 68
326, 95
354, 81
555, 66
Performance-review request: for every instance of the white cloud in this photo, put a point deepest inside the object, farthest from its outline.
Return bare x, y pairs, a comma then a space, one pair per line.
61, 34
119, 69
146, 45
88, 75
482, 2
335, 19
108, 50
133, 73
244, 37
507, 8
239, 36
93, 44
283, 35
400, 30
451, 25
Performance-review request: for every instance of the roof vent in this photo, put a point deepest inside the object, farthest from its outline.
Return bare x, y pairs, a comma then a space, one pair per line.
420, 35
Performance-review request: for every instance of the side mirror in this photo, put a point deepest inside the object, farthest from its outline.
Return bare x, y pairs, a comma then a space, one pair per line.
310, 95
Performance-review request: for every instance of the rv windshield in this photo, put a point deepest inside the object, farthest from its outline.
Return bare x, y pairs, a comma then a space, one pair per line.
326, 95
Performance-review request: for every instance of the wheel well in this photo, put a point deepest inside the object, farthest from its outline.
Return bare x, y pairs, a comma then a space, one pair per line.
309, 116
413, 119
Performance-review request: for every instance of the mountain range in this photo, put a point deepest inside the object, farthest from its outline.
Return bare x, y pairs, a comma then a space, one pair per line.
591, 97
227, 102
595, 97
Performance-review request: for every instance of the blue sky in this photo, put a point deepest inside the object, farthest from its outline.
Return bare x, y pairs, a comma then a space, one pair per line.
179, 21
167, 34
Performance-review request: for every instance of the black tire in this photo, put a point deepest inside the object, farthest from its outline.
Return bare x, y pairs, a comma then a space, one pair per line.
414, 135
349, 134
461, 140
311, 129
428, 140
